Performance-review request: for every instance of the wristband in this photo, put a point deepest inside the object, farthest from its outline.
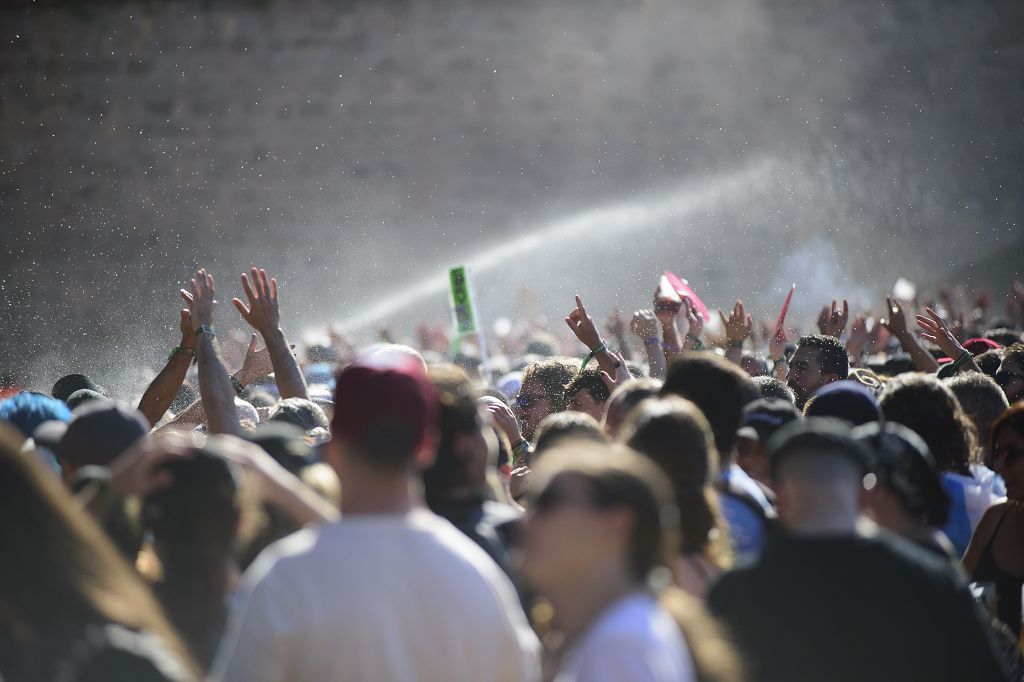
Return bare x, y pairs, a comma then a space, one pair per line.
521, 446
960, 361
600, 347
205, 329
237, 385
181, 350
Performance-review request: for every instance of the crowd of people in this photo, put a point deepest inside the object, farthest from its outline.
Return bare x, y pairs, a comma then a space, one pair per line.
669, 497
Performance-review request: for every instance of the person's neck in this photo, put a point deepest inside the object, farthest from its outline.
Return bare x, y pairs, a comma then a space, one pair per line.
825, 525
369, 492
579, 602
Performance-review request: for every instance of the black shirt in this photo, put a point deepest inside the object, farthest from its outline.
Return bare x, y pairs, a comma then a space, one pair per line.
854, 609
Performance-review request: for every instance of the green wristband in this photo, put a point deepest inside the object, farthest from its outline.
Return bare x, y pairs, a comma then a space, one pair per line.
180, 350
205, 329
600, 347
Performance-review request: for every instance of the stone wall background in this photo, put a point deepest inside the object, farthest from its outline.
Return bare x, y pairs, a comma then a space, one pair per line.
359, 148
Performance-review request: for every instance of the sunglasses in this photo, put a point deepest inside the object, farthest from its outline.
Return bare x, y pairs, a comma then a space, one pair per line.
1005, 378
526, 400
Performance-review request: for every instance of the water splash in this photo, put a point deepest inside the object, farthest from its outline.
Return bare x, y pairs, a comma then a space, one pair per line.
612, 219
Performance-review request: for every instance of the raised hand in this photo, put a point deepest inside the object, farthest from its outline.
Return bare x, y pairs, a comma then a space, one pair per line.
777, 345
262, 313
858, 337
690, 323
621, 375
200, 300
256, 365
895, 320
832, 321
934, 329
644, 324
738, 325
188, 336
582, 325
665, 310
503, 418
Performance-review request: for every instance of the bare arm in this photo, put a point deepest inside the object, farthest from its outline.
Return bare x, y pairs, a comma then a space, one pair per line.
263, 315
897, 326
215, 389
645, 325
737, 328
162, 390
936, 331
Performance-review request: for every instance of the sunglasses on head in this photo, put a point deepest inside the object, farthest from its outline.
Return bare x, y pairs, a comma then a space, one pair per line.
526, 400
1005, 378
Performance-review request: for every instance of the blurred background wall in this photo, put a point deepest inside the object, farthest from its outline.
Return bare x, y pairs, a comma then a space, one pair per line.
358, 149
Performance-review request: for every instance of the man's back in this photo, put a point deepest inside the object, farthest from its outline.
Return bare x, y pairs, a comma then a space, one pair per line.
853, 608
389, 597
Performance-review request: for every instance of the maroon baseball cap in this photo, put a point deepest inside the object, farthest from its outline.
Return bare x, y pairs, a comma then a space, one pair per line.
384, 399
977, 346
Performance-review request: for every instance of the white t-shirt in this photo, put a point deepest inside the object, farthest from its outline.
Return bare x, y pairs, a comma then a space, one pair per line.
377, 597
635, 640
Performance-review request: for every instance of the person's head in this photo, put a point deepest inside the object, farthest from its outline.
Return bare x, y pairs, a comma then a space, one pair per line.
464, 447
673, 432
68, 384
624, 398
196, 517
772, 388
818, 471
1004, 336
1007, 444
543, 391
556, 429
927, 407
100, 431
868, 379
394, 353
385, 421
256, 397
303, 413
719, 388
982, 401
817, 360
988, 362
83, 396
597, 510
587, 393
1010, 375
908, 488
27, 410
754, 365
286, 443
761, 419
847, 400
60, 567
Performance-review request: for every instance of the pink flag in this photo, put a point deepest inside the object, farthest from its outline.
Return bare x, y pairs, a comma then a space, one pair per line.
782, 315
682, 288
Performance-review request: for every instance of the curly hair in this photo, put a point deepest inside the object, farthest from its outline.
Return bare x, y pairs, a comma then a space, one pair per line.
925, 405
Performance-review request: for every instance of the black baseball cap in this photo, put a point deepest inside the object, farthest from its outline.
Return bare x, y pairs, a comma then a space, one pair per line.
70, 383
762, 418
100, 431
847, 400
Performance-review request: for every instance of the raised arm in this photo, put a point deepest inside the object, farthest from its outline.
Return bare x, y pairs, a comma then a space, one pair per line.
617, 328
667, 312
162, 390
215, 390
897, 326
645, 325
935, 330
737, 328
264, 316
583, 326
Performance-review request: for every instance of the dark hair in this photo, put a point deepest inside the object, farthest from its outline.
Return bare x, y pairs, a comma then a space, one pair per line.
620, 477
677, 437
1014, 352
981, 399
926, 406
305, 414
831, 354
719, 388
988, 362
459, 415
195, 523
588, 380
553, 375
624, 398
758, 361
771, 387
1013, 418
60, 568
560, 426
